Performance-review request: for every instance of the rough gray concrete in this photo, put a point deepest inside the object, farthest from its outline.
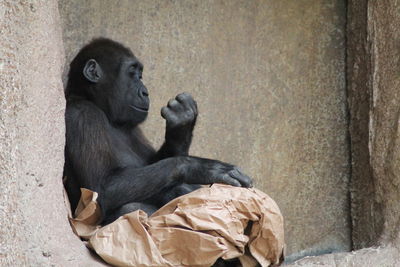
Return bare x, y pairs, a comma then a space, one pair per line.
370, 257
269, 80
366, 212
34, 229
374, 105
384, 139
375, 110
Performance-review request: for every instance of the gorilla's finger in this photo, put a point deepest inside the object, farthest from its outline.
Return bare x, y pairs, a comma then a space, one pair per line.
241, 177
174, 105
168, 114
184, 97
195, 107
187, 101
226, 179
164, 111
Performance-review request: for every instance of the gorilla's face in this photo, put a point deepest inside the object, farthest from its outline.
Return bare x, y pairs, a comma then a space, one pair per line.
115, 85
129, 100
121, 93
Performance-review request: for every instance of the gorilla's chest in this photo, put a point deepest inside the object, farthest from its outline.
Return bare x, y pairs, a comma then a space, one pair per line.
128, 149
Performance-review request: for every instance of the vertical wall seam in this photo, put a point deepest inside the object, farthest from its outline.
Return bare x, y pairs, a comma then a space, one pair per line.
348, 119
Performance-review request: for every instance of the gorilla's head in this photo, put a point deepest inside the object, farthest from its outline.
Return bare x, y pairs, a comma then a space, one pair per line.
109, 75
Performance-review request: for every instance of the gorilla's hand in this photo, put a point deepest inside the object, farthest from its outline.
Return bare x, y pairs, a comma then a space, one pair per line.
195, 170
226, 173
180, 113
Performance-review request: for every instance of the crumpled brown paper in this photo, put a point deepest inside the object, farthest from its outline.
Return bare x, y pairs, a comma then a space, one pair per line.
193, 230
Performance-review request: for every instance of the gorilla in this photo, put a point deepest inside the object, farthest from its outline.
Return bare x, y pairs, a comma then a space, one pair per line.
106, 151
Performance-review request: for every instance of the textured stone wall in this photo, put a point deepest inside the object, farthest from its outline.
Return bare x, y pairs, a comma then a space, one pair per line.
365, 210
34, 229
368, 257
374, 104
269, 78
374, 52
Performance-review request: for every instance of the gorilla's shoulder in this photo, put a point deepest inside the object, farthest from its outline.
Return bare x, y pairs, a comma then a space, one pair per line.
85, 112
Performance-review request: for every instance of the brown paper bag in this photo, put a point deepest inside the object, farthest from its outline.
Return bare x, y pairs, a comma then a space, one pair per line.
193, 230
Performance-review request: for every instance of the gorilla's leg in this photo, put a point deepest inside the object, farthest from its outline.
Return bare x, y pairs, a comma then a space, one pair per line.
229, 263
176, 191
129, 207
155, 203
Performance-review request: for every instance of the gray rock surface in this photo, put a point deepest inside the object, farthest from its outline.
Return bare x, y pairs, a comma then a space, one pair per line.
270, 83
384, 139
34, 230
374, 105
269, 77
375, 110
366, 212
369, 257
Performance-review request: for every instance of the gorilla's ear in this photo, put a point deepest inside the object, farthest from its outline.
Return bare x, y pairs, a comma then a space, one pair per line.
92, 71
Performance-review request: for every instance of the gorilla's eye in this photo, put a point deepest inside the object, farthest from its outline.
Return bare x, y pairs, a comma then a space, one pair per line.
132, 69
136, 70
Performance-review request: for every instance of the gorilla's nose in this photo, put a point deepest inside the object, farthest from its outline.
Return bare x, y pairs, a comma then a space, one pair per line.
143, 92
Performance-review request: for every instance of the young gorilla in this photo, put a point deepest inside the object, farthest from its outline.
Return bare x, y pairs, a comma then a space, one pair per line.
105, 149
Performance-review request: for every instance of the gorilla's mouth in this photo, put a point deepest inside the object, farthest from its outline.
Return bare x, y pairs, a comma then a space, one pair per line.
140, 109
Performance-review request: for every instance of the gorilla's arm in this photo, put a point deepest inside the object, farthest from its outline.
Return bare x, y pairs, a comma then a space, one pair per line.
96, 155
180, 115
137, 184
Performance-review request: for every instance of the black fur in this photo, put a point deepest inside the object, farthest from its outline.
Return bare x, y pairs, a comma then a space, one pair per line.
105, 150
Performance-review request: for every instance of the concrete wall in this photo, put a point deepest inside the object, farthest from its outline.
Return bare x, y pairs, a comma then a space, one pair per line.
34, 230
374, 52
270, 83
269, 77
373, 65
